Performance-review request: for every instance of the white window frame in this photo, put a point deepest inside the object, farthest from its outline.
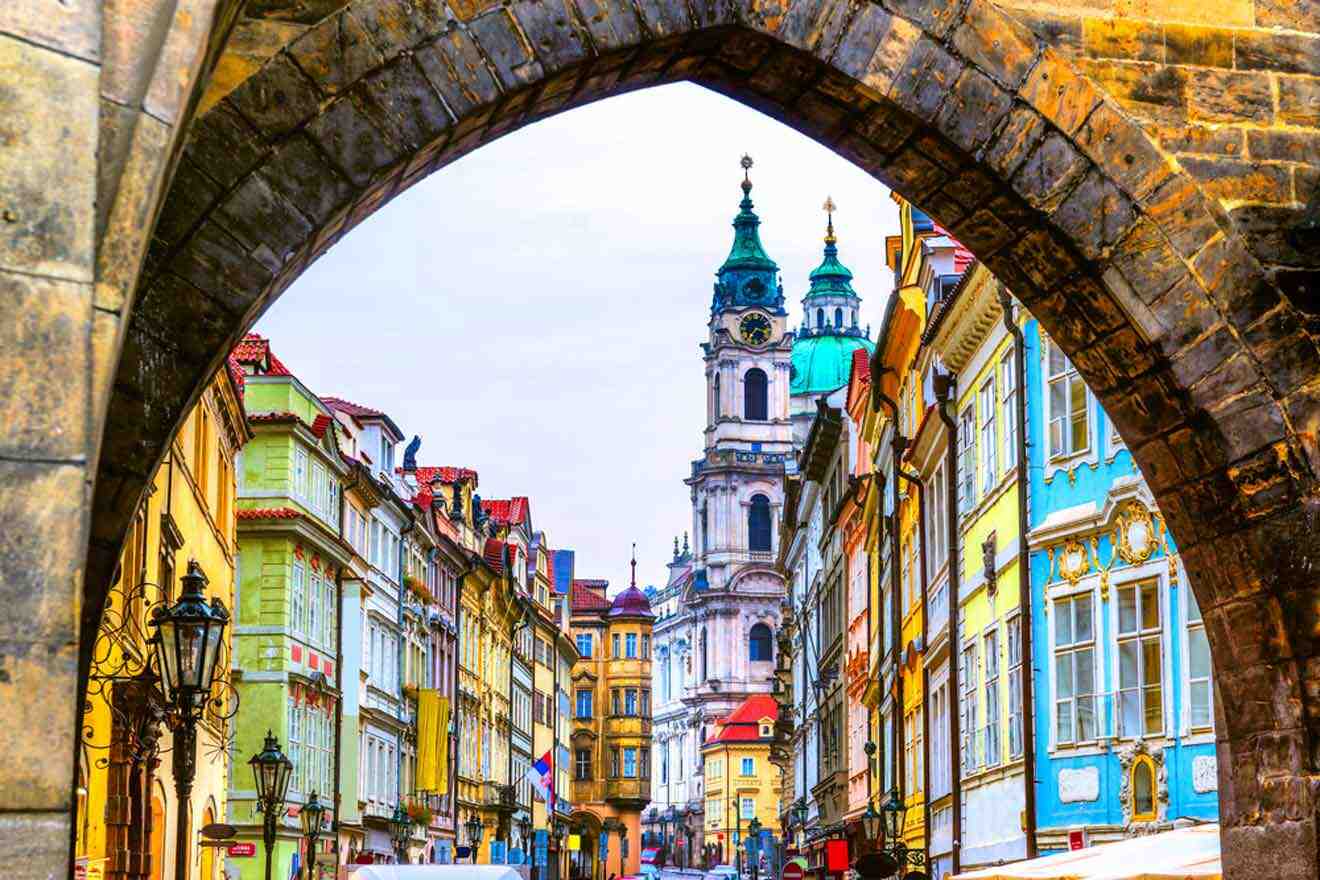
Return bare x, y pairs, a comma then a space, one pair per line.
1190, 625
1141, 636
966, 440
937, 524
1067, 375
990, 659
967, 704
748, 767
298, 596
1074, 647
988, 403
1008, 391
1013, 658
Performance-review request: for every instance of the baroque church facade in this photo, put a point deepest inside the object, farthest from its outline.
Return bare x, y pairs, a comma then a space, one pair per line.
720, 611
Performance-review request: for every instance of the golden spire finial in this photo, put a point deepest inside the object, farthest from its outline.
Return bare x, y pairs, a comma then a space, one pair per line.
830, 208
746, 163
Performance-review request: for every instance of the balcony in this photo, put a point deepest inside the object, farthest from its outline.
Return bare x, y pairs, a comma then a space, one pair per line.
628, 792
502, 797
627, 726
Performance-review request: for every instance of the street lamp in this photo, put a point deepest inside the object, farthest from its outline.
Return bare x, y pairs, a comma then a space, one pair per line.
272, 770
187, 643
871, 822
400, 831
525, 835
473, 826
311, 815
894, 810
894, 857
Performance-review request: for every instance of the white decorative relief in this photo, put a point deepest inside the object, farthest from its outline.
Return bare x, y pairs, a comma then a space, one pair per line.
1205, 773
1080, 784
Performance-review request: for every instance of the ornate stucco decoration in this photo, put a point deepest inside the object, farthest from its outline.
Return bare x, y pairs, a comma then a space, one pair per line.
1142, 752
1074, 561
1137, 538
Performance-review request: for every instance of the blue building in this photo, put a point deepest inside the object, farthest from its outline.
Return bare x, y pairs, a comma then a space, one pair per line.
1123, 695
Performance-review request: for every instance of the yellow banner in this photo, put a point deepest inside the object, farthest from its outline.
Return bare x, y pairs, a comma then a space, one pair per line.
442, 747
432, 742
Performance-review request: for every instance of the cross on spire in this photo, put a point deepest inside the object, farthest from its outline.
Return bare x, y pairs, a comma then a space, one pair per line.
634, 564
830, 208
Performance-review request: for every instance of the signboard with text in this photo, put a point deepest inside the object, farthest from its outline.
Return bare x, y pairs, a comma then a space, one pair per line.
1077, 839
244, 849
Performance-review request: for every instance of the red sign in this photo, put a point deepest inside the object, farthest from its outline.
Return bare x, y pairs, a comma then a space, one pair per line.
793, 871
242, 850
1077, 839
836, 855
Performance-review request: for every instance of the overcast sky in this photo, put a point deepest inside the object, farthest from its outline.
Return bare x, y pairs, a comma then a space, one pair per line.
534, 310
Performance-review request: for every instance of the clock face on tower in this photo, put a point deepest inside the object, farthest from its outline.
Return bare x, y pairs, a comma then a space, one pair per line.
754, 329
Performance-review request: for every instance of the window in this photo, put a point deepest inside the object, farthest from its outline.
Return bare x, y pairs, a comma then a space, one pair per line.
629, 763
582, 764
584, 645
715, 394
912, 751
614, 646
758, 525
705, 671
820, 317
970, 753
759, 644
630, 701
1008, 393
615, 702
646, 702
937, 519
1115, 438
747, 808
1140, 660
989, 444
1074, 670
991, 644
748, 766
297, 597
1014, 631
583, 707
838, 317
630, 646
967, 460
1143, 789
646, 647
756, 406
1069, 419
646, 764
300, 473
1200, 692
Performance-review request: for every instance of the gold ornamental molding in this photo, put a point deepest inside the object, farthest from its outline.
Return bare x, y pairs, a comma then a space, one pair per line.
1135, 531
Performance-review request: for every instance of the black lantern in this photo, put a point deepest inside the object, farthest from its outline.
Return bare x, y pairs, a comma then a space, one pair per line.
894, 809
871, 822
473, 826
525, 832
188, 638
400, 831
311, 815
271, 770
800, 813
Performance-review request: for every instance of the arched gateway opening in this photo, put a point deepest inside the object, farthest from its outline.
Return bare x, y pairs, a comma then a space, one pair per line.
1193, 345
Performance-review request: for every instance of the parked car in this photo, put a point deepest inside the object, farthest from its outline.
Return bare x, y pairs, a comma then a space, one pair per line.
722, 872
651, 856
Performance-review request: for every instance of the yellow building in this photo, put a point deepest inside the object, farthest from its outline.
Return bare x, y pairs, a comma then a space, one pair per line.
741, 783
611, 727
127, 807
971, 339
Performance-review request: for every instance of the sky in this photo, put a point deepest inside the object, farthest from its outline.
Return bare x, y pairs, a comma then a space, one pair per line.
535, 309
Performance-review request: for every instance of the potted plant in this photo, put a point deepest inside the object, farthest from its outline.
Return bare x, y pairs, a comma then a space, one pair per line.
420, 813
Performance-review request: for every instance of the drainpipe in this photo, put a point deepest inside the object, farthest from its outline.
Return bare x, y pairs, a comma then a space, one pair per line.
944, 386
398, 767
339, 669
898, 443
1024, 577
915, 482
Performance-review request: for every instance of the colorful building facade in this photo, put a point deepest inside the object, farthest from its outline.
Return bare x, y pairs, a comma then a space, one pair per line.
742, 785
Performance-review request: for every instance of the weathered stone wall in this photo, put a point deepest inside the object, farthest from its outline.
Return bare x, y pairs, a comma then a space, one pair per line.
1206, 358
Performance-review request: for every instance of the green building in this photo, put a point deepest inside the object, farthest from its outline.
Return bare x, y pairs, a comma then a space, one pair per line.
286, 630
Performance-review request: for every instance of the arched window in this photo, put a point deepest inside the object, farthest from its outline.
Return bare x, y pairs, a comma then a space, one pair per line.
854, 314
758, 525
838, 317
1143, 789
717, 396
820, 317
755, 395
758, 644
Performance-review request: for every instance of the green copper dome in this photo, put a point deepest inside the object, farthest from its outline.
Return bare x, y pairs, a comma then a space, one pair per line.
821, 363
748, 277
831, 278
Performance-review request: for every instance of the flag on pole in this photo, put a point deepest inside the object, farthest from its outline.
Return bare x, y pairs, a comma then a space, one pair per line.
539, 775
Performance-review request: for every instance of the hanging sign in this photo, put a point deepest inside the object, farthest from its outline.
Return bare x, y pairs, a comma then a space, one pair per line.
836, 855
244, 849
574, 842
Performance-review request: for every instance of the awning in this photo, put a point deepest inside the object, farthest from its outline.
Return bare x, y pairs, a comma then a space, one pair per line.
1183, 854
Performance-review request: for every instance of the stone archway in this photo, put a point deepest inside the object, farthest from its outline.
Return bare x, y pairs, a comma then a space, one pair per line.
1204, 355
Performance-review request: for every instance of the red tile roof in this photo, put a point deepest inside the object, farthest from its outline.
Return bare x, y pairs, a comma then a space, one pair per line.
448, 475
632, 602
507, 511
322, 422
743, 723
494, 553
962, 257
253, 350
353, 409
268, 513
589, 596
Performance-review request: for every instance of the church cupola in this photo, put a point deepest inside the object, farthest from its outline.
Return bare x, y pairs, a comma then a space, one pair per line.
830, 307
748, 278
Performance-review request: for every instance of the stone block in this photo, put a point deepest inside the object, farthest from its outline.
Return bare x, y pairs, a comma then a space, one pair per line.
277, 100
104, 359
182, 317
784, 73
1147, 264
1204, 356
1288, 846
1123, 152
1226, 13
1195, 451
136, 198
1049, 173
1066, 324
743, 51
128, 48
396, 25
886, 129
1299, 101
1235, 181
181, 56
859, 43
912, 174
355, 146
454, 66
1200, 45
926, 79
934, 16
35, 844
1123, 38
70, 27
48, 124
555, 38
663, 17
1249, 422
336, 53
1016, 139
613, 24
985, 234
1059, 93
1045, 258
1180, 211
1089, 295
1095, 215
1062, 31
1283, 145
302, 175
1278, 51
1288, 14
1200, 139
191, 195
1186, 315
890, 57
398, 99
216, 262
223, 145
973, 110
504, 44
1230, 96
44, 367
1152, 92
1003, 49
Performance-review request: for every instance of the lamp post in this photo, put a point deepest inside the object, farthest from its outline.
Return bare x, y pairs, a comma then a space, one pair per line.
272, 771
473, 826
525, 836
311, 815
400, 831
894, 858
187, 643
